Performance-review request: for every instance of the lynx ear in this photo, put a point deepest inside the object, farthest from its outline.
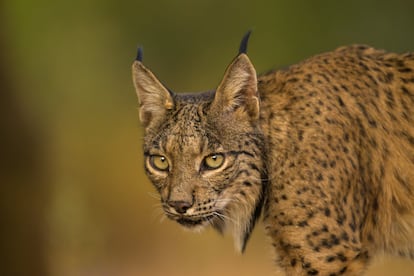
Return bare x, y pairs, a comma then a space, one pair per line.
237, 91
154, 99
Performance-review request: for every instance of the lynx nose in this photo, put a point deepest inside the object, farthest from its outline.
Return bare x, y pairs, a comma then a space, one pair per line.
180, 206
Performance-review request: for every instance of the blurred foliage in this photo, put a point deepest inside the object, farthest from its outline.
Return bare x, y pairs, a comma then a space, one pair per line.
75, 197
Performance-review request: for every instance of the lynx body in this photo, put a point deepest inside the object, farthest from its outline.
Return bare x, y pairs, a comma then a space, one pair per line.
324, 150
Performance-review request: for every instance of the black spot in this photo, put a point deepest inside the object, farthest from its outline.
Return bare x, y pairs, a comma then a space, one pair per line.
254, 167
373, 143
404, 70
346, 137
292, 80
343, 86
342, 271
342, 257
334, 239
300, 135
327, 212
284, 197
324, 77
326, 243
390, 98
366, 68
313, 272
364, 111
407, 92
373, 79
310, 214
389, 77
330, 259
407, 80
303, 223
293, 262
247, 183
345, 236
408, 137
319, 177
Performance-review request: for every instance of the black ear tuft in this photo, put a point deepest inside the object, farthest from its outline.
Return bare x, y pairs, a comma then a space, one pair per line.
139, 54
244, 42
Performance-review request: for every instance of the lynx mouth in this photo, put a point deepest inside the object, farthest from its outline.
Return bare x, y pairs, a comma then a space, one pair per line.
191, 222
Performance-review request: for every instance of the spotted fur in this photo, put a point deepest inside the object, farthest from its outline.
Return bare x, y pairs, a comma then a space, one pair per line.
325, 148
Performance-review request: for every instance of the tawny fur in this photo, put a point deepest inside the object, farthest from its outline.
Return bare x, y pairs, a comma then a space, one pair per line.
325, 148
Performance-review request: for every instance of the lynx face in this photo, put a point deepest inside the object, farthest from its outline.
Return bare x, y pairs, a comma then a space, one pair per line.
204, 152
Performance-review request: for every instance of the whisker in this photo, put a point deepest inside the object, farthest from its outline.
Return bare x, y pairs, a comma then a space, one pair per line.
222, 216
157, 205
154, 195
162, 218
158, 213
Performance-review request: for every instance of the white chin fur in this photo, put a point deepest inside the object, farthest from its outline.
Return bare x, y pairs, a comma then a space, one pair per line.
238, 225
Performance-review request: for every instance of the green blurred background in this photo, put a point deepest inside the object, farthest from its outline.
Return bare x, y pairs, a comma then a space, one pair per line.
74, 199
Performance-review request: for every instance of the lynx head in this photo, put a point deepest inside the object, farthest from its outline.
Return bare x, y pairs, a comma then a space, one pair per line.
204, 152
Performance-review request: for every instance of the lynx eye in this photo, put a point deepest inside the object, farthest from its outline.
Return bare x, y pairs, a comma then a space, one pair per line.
213, 161
159, 162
